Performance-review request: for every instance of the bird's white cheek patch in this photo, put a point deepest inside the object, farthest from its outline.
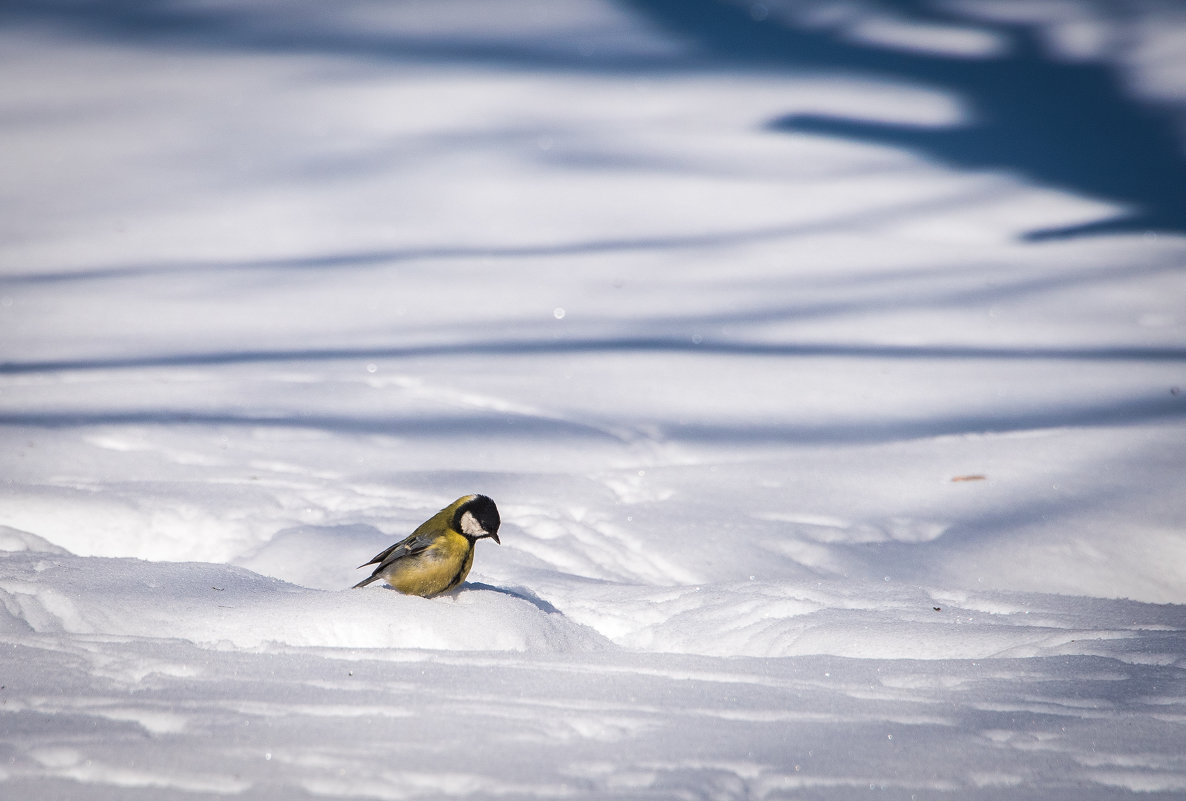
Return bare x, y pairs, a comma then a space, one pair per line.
470, 525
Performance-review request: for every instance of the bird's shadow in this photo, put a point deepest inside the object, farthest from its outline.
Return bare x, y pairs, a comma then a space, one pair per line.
518, 592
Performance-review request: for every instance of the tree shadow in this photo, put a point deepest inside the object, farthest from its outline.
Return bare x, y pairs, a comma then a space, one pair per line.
602, 345
1088, 413
1070, 125
313, 28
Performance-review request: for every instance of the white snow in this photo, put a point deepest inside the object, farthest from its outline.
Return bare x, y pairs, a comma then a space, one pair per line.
820, 478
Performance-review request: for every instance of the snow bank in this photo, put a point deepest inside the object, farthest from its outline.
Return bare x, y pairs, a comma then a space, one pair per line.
225, 607
47, 591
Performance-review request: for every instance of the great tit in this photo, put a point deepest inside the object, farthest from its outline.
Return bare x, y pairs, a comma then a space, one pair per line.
439, 553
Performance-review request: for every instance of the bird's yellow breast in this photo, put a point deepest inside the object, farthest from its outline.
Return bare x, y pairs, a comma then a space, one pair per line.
438, 568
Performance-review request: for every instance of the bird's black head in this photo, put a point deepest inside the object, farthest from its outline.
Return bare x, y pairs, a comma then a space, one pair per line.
478, 518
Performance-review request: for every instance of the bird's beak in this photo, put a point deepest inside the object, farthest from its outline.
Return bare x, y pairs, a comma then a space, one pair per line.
494, 536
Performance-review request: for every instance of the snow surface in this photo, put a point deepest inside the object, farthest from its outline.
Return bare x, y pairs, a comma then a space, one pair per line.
826, 361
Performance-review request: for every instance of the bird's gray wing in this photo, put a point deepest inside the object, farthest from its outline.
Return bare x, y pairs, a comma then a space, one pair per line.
408, 546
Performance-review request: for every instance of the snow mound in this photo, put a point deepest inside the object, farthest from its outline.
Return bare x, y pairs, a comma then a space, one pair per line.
228, 607
14, 539
46, 590
856, 619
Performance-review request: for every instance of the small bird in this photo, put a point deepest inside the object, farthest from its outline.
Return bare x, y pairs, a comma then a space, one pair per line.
439, 553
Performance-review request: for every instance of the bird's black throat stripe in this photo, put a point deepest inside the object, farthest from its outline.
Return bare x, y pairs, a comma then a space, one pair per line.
453, 582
